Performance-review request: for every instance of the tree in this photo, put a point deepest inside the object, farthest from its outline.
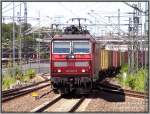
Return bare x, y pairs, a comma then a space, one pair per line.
7, 37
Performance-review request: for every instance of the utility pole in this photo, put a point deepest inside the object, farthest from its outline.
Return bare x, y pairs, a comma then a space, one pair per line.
136, 28
109, 18
130, 67
136, 20
20, 38
25, 14
140, 34
146, 33
39, 43
14, 73
118, 17
118, 22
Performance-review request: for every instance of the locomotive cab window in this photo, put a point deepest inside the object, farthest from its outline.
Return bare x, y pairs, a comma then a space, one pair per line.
61, 47
81, 47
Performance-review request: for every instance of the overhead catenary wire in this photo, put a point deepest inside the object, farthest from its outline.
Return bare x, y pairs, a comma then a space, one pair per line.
74, 14
134, 7
115, 27
121, 36
35, 27
20, 17
7, 5
11, 8
101, 21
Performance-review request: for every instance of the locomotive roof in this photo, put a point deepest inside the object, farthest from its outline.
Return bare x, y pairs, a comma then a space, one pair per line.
73, 36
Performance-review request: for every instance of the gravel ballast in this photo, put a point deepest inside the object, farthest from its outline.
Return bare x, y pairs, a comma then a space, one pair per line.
107, 102
27, 102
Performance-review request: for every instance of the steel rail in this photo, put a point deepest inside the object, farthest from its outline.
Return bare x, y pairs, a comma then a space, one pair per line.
47, 104
54, 100
18, 89
15, 95
75, 107
118, 90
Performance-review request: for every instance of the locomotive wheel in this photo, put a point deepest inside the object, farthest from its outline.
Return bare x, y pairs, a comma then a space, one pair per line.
64, 91
55, 91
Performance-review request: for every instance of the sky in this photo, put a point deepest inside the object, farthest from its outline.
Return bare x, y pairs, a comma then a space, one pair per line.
49, 12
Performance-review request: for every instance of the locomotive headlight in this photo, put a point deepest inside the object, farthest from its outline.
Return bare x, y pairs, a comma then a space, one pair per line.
83, 70
59, 70
72, 56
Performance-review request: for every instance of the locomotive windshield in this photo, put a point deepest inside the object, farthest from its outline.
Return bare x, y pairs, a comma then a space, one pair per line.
61, 47
81, 47
71, 47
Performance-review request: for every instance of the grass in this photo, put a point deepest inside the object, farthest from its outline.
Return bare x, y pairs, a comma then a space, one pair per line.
136, 81
7, 81
29, 74
8, 78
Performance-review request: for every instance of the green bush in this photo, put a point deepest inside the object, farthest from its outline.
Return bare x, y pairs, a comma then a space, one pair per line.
30, 73
8, 77
120, 79
130, 81
25, 78
124, 68
140, 80
136, 81
7, 81
11, 71
18, 73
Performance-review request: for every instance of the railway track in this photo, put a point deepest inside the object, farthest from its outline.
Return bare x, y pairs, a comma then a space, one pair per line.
59, 101
14, 93
17, 89
46, 76
118, 90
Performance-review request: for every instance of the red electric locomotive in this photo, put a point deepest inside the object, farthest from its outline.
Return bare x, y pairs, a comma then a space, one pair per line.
72, 58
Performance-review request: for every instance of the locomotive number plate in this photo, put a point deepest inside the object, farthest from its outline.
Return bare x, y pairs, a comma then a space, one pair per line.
70, 63
71, 70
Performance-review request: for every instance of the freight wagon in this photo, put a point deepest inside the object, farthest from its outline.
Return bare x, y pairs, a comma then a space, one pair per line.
109, 61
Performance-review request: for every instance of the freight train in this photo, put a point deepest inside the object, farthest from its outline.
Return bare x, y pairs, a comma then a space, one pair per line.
77, 60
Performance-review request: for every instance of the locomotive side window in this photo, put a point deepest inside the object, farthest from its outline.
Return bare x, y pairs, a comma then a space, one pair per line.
81, 47
61, 47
